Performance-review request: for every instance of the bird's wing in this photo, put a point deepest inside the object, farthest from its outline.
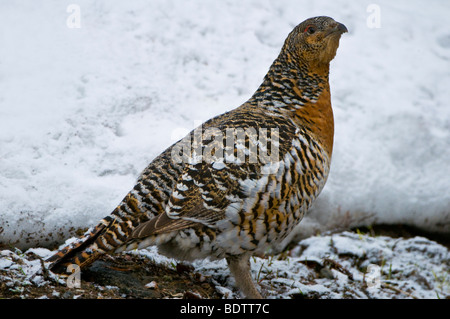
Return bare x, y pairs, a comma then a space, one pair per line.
204, 190
196, 199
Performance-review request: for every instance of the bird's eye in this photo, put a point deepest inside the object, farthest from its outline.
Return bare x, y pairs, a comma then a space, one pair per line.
310, 29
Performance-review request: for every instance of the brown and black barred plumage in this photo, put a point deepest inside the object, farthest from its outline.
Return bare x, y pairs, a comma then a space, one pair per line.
229, 203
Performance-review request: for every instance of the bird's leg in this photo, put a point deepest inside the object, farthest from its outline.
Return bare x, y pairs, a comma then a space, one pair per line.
240, 269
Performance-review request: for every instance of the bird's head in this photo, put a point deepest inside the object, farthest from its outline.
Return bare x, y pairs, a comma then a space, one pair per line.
315, 40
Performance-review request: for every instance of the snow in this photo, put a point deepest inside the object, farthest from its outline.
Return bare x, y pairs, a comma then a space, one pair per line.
408, 268
416, 267
18, 269
83, 110
333, 266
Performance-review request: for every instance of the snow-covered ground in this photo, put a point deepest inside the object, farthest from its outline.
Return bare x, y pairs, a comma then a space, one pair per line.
83, 110
348, 265
345, 265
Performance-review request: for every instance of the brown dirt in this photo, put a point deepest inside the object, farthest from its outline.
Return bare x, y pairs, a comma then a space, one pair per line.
123, 277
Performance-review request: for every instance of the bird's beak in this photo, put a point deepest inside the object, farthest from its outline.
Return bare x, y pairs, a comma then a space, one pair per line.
337, 28
341, 28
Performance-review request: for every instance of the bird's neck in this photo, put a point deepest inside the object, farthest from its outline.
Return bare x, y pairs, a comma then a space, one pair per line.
291, 83
299, 90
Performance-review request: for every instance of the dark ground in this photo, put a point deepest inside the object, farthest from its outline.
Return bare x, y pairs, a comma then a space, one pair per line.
128, 275
125, 276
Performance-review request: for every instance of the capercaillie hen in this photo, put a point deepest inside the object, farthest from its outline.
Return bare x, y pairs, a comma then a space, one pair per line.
219, 199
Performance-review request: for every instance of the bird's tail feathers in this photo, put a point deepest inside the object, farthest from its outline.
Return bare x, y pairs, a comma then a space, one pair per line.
82, 252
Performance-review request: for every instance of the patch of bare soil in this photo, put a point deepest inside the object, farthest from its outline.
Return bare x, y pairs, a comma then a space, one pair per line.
122, 277
23, 275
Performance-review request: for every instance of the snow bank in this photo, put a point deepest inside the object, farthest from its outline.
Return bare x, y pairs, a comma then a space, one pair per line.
83, 110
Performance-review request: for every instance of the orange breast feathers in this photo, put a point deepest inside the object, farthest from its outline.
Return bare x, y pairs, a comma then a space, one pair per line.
318, 119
